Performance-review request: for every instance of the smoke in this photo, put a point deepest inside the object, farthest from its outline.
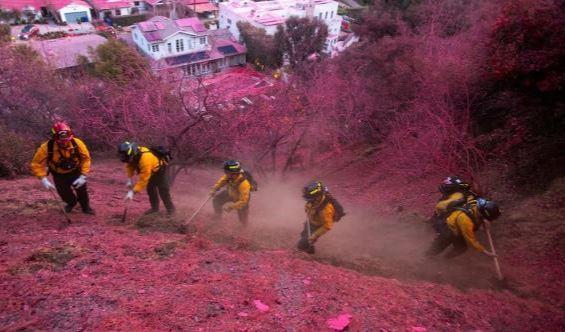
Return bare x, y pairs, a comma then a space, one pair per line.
363, 240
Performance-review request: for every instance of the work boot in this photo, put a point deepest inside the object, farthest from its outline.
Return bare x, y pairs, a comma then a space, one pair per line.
150, 211
69, 208
171, 212
88, 210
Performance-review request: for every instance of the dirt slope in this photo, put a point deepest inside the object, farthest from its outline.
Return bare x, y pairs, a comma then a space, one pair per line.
145, 275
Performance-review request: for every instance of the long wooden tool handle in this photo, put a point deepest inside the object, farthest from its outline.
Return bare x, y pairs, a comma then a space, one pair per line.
198, 210
60, 206
496, 265
124, 215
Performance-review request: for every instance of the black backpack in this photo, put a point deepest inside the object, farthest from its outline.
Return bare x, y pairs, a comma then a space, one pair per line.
249, 177
64, 163
161, 152
339, 210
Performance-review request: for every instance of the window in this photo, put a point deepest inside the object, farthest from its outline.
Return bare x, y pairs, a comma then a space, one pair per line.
155, 48
180, 45
326, 16
148, 47
320, 16
229, 21
136, 3
332, 14
202, 40
118, 12
135, 36
170, 47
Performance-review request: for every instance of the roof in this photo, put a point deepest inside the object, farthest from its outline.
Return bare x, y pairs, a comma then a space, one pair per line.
21, 4
193, 2
191, 22
160, 28
63, 52
37, 4
112, 4
270, 12
204, 7
58, 4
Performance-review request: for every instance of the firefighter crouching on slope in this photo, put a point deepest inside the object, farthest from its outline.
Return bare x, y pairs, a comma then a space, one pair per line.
68, 159
152, 172
238, 192
322, 210
455, 193
460, 227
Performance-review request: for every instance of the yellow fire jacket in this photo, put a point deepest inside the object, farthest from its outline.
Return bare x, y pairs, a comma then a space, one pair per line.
239, 190
453, 199
39, 162
460, 224
323, 217
147, 165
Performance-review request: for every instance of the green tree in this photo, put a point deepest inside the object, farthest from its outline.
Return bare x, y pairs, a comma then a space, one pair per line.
301, 37
261, 48
117, 62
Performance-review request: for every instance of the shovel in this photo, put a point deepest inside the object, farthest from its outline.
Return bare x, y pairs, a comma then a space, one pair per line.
60, 206
496, 265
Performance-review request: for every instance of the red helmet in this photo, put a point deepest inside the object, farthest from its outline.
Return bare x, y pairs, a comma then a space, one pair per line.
61, 132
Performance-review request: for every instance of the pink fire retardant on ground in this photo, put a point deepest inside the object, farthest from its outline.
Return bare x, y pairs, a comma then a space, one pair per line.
339, 323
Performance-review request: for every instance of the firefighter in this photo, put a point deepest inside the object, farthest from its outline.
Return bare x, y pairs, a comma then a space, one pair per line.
455, 193
67, 158
151, 165
239, 185
322, 210
460, 227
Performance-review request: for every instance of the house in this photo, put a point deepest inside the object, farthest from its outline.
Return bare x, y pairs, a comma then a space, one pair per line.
62, 53
186, 44
113, 8
69, 11
28, 9
206, 11
268, 15
73, 11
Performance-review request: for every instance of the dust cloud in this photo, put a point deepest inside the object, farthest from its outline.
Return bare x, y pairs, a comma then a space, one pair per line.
363, 241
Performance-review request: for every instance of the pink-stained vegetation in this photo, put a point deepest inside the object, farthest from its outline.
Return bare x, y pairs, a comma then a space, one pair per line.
434, 88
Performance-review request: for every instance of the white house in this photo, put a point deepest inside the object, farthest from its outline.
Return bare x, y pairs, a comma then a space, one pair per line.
187, 44
74, 11
270, 14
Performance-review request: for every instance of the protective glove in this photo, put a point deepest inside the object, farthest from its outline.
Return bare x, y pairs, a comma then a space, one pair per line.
79, 182
228, 208
213, 192
129, 184
47, 184
311, 241
490, 254
129, 195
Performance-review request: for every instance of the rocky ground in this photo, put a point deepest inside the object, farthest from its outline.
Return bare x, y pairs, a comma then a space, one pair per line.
153, 274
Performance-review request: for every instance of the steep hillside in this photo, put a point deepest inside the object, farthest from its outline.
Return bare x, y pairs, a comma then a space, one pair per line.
151, 274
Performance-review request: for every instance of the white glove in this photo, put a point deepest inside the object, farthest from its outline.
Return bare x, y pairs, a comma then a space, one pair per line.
47, 184
489, 253
79, 182
129, 196
129, 184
